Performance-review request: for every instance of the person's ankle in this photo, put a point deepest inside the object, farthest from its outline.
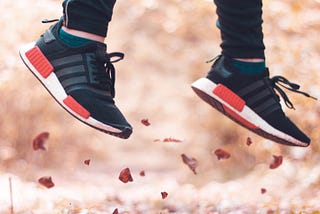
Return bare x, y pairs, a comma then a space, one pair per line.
250, 59
251, 66
84, 34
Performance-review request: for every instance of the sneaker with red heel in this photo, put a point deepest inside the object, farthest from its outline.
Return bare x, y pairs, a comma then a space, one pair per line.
251, 101
80, 79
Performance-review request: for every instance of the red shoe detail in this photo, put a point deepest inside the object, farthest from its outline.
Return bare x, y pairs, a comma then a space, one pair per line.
39, 61
76, 107
240, 119
229, 96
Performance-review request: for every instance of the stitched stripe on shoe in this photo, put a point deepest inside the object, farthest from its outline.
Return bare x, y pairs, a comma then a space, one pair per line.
260, 98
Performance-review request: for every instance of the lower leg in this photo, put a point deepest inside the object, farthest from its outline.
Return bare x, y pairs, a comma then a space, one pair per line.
83, 34
240, 23
87, 19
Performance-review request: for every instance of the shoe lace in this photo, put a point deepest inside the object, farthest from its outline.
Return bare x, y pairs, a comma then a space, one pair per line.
49, 20
108, 77
279, 81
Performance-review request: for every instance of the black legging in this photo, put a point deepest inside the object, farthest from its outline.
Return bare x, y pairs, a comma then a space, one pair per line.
90, 16
240, 22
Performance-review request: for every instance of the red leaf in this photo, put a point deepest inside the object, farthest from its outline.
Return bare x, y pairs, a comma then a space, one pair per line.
249, 141
142, 173
125, 175
164, 195
115, 211
39, 140
145, 122
263, 190
46, 181
87, 162
168, 140
171, 140
191, 162
277, 161
221, 154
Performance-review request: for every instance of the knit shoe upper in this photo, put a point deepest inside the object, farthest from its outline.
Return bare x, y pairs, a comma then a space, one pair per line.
251, 101
81, 79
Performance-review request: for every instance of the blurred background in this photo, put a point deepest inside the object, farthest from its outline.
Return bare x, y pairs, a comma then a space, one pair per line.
166, 44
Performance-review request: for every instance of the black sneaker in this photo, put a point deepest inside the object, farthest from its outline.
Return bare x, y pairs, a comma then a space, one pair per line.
251, 101
80, 79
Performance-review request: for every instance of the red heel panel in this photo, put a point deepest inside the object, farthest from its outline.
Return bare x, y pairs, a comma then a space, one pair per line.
228, 96
76, 107
39, 61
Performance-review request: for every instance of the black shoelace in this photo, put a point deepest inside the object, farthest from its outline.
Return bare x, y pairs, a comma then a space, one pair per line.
49, 20
107, 61
278, 81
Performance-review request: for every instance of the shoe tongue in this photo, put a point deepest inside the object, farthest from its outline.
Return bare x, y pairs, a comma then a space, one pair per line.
265, 73
101, 49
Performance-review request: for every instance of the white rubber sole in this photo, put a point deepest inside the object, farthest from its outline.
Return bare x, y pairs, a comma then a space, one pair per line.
243, 115
52, 84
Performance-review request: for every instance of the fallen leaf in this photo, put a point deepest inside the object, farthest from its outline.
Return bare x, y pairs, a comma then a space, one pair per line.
249, 141
263, 190
277, 161
171, 140
46, 181
86, 162
222, 154
157, 140
191, 162
142, 173
145, 122
125, 176
164, 195
115, 211
39, 140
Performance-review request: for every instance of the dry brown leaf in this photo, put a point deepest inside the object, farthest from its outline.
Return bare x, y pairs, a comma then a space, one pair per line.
115, 211
263, 190
125, 176
171, 140
142, 173
222, 154
145, 122
46, 181
168, 140
249, 141
277, 161
39, 140
164, 195
87, 162
191, 162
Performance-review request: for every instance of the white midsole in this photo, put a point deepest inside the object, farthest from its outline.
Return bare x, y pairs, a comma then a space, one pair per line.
53, 85
207, 86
